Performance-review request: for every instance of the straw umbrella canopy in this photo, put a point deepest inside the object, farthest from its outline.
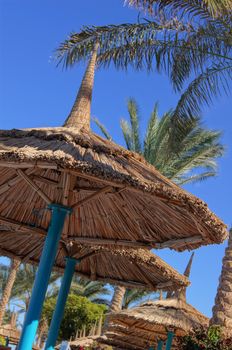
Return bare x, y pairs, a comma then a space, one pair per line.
142, 326
116, 196
132, 268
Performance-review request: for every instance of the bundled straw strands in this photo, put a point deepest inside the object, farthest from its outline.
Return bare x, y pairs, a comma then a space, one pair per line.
116, 196
142, 326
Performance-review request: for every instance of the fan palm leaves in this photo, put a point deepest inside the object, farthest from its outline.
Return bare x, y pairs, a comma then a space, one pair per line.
193, 154
176, 45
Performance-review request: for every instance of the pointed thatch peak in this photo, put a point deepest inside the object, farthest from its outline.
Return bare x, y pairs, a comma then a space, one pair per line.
181, 294
189, 266
79, 116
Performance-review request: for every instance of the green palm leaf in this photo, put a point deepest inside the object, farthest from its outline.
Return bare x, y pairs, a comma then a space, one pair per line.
183, 155
203, 89
174, 46
204, 8
134, 121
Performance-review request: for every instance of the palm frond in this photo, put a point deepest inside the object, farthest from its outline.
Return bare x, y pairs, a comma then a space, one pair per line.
196, 178
102, 128
127, 134
134, 121
202, 90
157, 154
202, 8
135, 296
151, 132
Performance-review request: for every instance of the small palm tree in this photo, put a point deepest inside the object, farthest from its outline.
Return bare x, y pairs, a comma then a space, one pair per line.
196, 148
8, 276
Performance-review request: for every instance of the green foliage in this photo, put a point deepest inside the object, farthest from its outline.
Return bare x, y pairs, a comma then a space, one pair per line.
169, 42
95, 291
22, 289
182, 155
205, 339
132, 297
202, 8
2, 340
79, 313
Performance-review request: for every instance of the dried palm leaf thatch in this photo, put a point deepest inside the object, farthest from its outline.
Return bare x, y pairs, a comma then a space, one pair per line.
133, 268
143, 326
114, 193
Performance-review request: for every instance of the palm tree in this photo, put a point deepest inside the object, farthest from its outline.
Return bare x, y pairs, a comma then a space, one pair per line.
197, 148
7, 291
24, 281
171, 43
135, 296
95, 291
196, 159
222, 310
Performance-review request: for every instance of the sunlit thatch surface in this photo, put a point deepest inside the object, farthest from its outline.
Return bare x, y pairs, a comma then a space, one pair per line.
129, 199
142, 326
133, 268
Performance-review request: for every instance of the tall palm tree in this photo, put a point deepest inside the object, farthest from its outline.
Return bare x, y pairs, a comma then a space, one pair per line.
172, 43
197, 148
7, 291
222, 310
196, 159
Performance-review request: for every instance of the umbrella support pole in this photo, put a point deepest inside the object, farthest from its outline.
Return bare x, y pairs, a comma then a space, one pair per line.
47, 259
61, 301
169, 341
160, 345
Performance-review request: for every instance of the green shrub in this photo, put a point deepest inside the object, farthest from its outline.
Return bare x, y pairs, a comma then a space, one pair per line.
205, 339
79, 312
2, 340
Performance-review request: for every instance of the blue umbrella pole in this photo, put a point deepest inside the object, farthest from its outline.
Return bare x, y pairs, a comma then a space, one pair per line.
61, 301
47, 259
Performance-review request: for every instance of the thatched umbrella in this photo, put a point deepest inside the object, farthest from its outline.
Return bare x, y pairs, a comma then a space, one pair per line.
132, 268
113, 196
143, 326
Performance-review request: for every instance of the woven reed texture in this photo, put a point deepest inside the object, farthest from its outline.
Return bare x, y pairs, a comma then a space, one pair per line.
143, 326
128, 198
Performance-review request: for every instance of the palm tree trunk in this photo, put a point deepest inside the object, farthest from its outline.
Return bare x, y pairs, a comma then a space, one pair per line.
8, 288
43, 328
222, 310
116, 303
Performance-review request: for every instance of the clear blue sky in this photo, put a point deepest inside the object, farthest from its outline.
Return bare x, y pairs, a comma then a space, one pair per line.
33, 92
